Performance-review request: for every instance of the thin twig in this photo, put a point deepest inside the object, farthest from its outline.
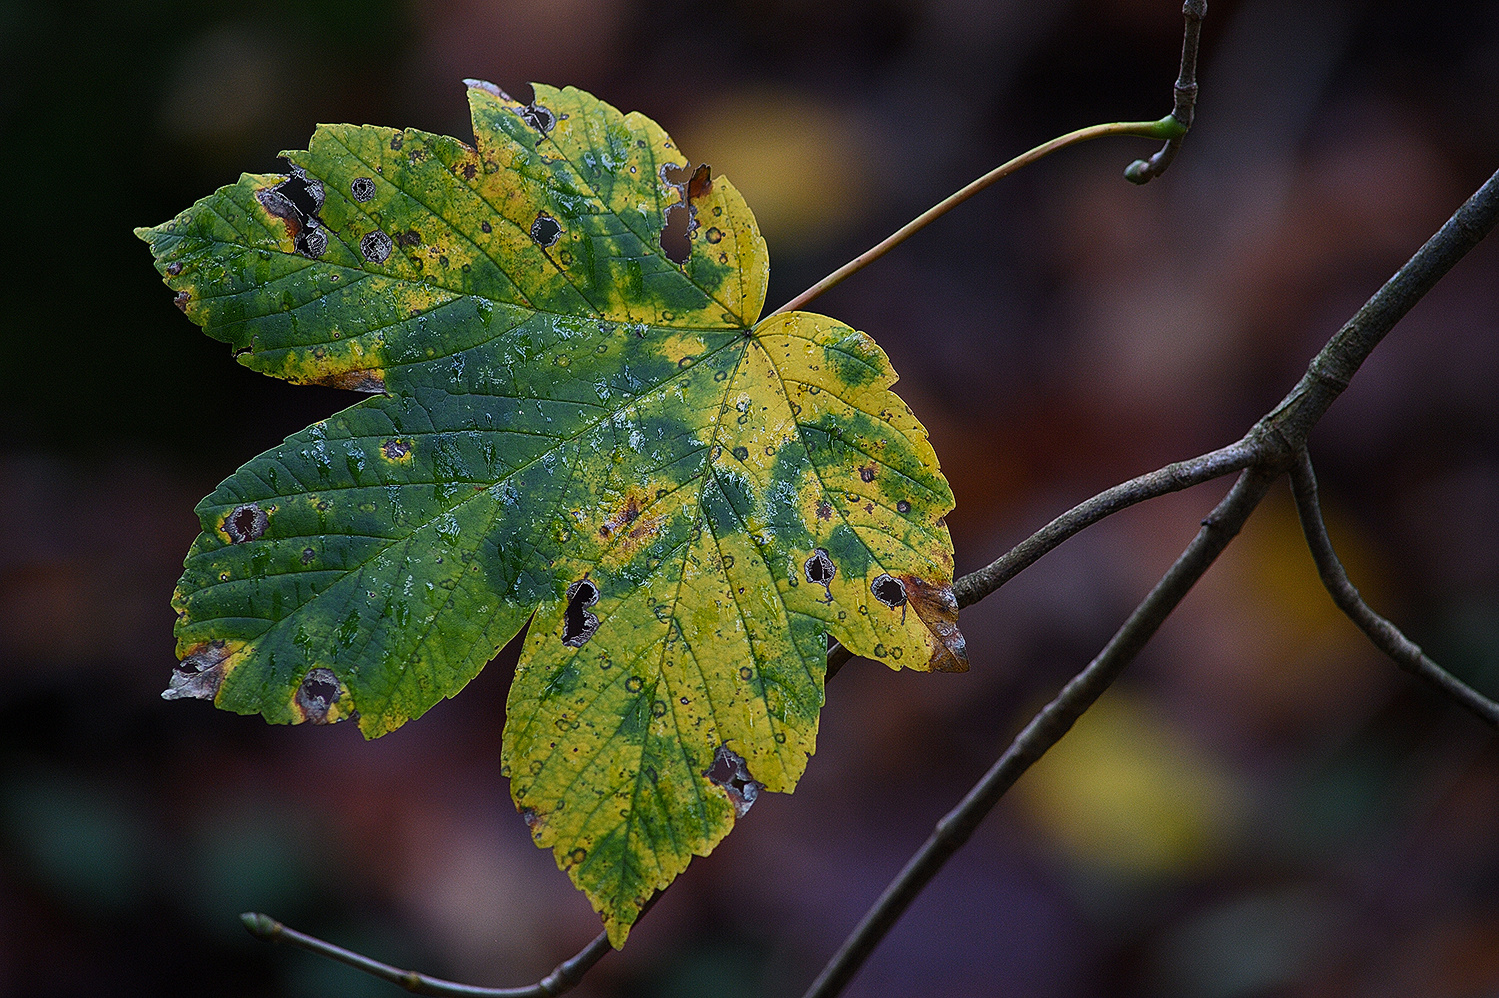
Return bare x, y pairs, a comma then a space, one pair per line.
1385, 635
1142, 171
563, 978
1045, 730
1167, 128
1173, 478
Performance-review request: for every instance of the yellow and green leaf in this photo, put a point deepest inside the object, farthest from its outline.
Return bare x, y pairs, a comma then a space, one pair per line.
569, 425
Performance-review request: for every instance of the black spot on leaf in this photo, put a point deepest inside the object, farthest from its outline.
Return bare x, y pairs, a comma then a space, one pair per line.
362, 188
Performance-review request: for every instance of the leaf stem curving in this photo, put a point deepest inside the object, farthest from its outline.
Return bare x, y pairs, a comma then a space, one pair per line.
1168, 128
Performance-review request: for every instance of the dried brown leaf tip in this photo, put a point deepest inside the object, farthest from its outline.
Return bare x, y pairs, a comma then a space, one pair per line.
937, 608
199, 674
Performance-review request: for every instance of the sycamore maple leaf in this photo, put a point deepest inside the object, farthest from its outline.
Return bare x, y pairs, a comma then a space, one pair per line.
577, 421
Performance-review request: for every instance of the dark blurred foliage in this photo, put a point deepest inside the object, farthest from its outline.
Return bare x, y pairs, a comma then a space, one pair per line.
1262, 807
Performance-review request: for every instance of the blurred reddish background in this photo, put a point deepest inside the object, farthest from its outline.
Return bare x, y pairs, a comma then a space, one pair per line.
1262, 806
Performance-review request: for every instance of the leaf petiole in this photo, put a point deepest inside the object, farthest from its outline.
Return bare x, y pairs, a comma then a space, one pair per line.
1167, 129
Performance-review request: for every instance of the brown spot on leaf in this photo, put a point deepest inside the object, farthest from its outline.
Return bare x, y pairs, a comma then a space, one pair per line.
824, 510
182, 299
174, 268
367, 380
866, 473
700, 183
470, 170
280, 206
396, 450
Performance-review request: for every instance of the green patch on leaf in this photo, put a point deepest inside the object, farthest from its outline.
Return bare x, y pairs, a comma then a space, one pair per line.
569, 425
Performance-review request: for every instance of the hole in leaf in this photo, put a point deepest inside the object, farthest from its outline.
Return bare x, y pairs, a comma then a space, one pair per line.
538, 117
820, 568
730, 772
296, 201
246, 523
675, 242
546, 230
891, 592
318, 693
578, 624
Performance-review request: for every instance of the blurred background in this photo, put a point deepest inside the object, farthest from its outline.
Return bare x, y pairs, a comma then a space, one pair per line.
1261, 806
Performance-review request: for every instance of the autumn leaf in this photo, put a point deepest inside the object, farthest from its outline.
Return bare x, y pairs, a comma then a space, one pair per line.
575, 421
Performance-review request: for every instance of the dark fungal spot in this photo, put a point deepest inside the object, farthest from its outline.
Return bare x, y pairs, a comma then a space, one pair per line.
889, 591
486, 226
396, 141
824, 510
395, 449
730, 773
410, 237
714, 235
578, 624
866, 473
174, 268
246, 523
546, 230
741, 453
902, 507
376, 246
362, 188
318, 693
538, 117
182, 299
307, 555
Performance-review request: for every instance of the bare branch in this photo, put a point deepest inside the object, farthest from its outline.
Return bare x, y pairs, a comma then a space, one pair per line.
1045, 730
1142, 171
563, 978
1274, 445
1286, 427
1173, 478
1385, 635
